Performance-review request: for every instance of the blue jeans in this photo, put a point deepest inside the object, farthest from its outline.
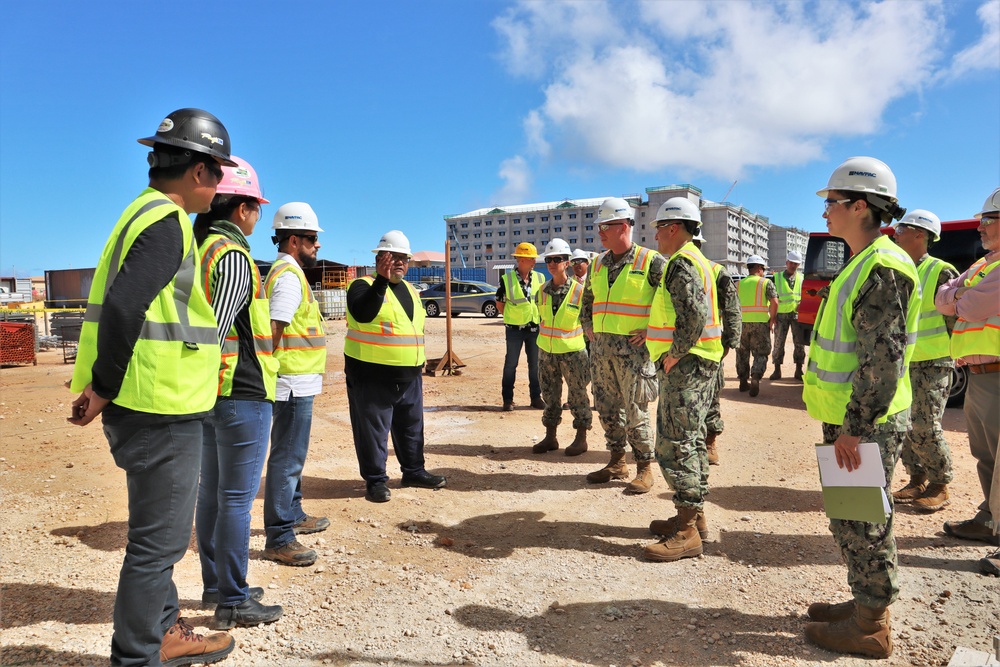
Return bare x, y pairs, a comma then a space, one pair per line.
161, 465
516, 338
232, 459
283, 488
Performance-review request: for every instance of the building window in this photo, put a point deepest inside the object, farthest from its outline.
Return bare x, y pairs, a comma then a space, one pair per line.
517, 232
572, 240
531, 231
557, 217
465, 247
532, 219
516, 220
479, 246
465, 236
589, 228
489, 256
499, 221
502, 244
572, 216
545, 218
572, 228
476, 224
545, 231
465, 225
589, 215
476, 235
589, 239
502, 257
501, 233
489, 234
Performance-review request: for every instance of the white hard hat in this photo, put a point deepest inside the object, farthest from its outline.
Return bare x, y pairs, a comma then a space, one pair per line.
678, 208
918, 217
794, 257
296, 215
393, 241
557, 247
614, 208
862, 174
991, 205
580, 254
698, 237
756, 259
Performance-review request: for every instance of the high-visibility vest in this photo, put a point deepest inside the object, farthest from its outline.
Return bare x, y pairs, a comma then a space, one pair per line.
933, 341
520, 308
212, 250
175, 359
625, 306
977, 337
833, 359
391, 339
753, 299
302, 348
789, 296
662, 321
560, 332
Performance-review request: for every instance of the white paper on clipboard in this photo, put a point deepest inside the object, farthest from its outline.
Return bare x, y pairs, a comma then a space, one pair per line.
869, 473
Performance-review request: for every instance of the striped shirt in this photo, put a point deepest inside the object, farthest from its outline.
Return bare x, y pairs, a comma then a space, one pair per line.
231, 283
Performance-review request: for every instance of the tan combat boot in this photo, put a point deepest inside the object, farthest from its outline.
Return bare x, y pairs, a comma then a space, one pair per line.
548, 443
667, 527
713, 453
934, 498
865, 632
643, 481
684, 543
579, 444
776, 375
913, 489
616, 469
829, 612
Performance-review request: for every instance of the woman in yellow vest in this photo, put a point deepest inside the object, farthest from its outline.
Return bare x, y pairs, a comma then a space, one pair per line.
235, 437
562, 352
856, 384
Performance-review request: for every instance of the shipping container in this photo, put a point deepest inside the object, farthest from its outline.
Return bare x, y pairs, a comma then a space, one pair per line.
68, 288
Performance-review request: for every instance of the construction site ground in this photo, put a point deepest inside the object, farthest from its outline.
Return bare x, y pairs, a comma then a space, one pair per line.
517, 562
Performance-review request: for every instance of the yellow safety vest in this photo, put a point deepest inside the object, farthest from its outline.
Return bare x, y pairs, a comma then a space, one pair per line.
789, 296
933, 341
520, 309
625, 306
391, 339
977, 337
662, 321
560, 332
175, 359
302, 348
833, 359
753, 299
213, 249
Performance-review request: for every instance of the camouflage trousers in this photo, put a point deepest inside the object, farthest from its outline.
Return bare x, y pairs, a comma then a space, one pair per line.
575, 368
624, 384
869, 549
924, 448
756, 339
686, 394
713, 420
785, 322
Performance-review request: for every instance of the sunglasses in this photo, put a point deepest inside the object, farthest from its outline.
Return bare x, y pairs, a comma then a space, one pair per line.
312, 238
556, 260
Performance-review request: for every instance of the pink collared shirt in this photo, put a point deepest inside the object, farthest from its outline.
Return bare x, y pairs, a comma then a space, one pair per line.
976, 305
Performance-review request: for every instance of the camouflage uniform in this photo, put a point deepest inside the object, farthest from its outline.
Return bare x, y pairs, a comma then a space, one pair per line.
624, 379
686, 391
756, 339
879, 317
732, 330
924, 448
786, 321
574, 366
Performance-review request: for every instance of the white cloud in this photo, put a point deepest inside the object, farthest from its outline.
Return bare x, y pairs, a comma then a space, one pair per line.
716, 87
984, 54
516, 176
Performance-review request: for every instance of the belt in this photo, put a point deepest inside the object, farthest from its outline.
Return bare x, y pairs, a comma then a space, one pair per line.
979, 369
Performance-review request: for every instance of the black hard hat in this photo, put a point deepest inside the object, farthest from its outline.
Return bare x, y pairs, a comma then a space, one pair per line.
193, 129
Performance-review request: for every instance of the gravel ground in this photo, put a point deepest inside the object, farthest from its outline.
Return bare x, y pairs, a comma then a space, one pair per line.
517, 562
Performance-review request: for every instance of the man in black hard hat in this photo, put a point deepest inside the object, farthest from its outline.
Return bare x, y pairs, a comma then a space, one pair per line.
147, 362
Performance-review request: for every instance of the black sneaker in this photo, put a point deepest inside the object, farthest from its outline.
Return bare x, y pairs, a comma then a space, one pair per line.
378, 493
424, 480
209, 600
247, 613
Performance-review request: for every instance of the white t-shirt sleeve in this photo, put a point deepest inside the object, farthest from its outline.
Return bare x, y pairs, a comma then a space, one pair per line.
286, 295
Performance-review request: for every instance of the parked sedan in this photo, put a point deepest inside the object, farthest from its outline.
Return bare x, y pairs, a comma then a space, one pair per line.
466, 297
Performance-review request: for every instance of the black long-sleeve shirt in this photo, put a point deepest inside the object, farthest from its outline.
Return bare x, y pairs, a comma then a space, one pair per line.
363, 302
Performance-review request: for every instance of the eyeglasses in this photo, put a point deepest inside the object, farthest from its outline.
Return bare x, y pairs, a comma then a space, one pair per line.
556, 260
986, 221
665, 224
830, 202
400, 258
312, 238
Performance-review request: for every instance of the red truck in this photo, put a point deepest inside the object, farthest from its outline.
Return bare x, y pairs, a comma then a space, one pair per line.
960, 245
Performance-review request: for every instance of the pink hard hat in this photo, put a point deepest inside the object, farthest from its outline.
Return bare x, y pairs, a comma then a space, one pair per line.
240, 180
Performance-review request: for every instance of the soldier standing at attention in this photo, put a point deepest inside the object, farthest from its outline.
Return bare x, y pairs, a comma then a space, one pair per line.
616, 305
562, 352
517, 301
685, 341
856, 384
925, 452
789, 286
759, 303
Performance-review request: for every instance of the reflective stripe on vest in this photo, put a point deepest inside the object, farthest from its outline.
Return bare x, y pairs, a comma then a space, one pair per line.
753, 299
520, 308
789, 296
176, 357
833, 357
625, 306
560, 332
983, 338
213, 249
933, 341
391, 339
302, 348
662, 321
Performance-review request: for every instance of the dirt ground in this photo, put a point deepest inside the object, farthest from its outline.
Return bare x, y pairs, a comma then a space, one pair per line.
517, 562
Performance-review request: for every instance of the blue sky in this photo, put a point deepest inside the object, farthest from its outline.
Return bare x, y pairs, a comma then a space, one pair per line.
389, 115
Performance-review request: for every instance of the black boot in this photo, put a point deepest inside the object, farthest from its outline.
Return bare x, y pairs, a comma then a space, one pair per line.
248, 612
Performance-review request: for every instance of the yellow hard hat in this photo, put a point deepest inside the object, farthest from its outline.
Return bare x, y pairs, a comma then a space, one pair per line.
525, 250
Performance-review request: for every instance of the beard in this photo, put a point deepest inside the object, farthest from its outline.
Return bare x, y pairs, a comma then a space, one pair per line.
306, 261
